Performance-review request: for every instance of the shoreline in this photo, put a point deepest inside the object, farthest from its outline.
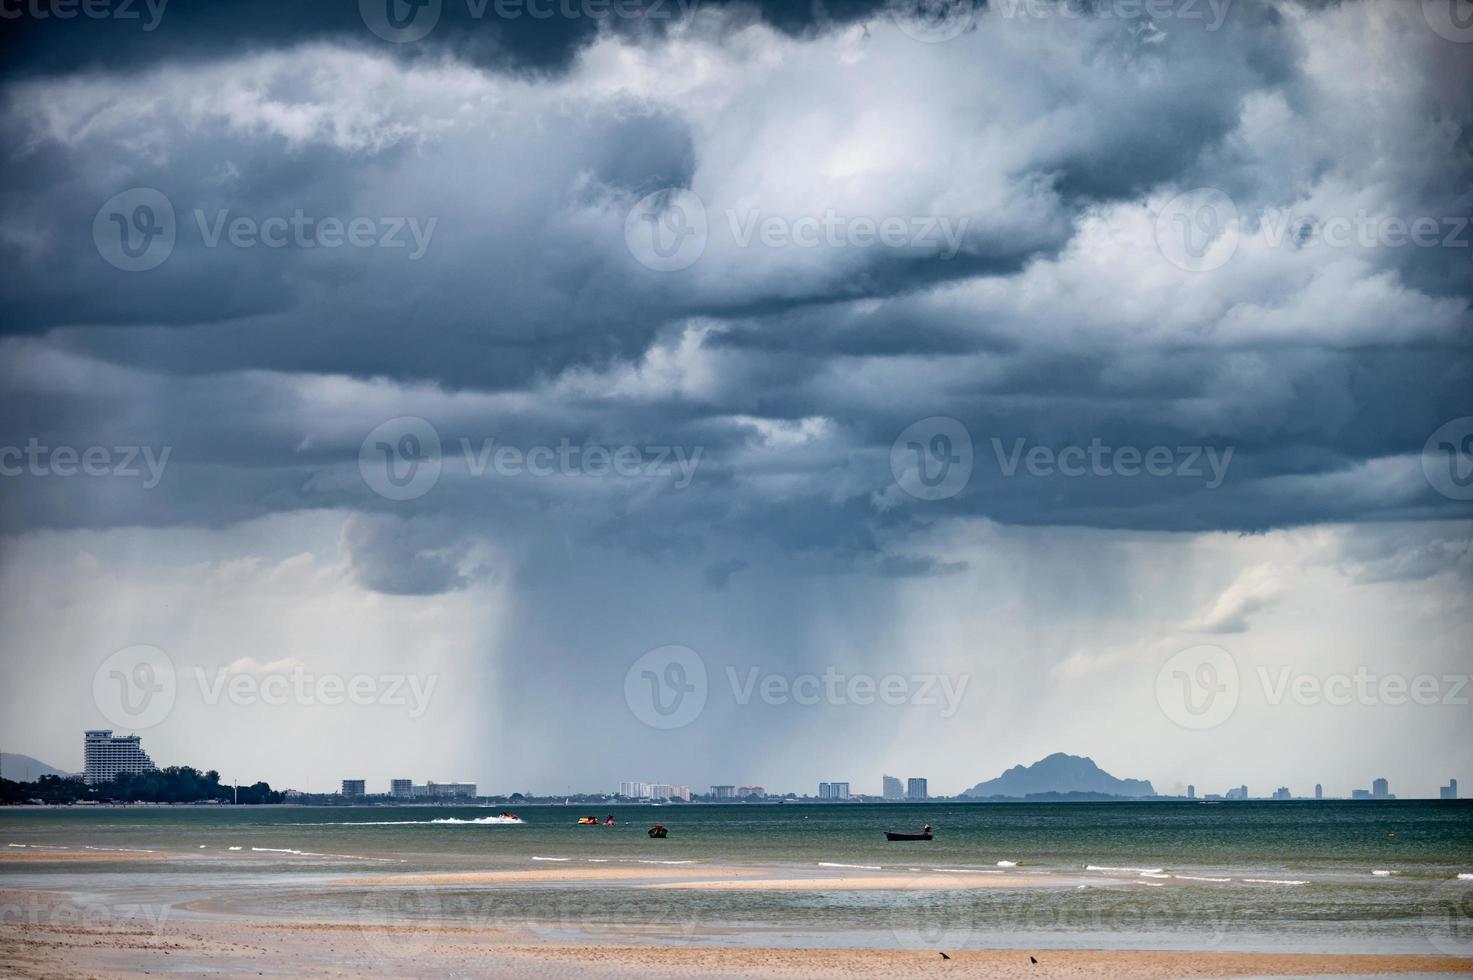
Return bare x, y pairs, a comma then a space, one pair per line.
239, 948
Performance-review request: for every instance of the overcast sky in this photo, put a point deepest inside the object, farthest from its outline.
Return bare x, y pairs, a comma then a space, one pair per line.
737, 394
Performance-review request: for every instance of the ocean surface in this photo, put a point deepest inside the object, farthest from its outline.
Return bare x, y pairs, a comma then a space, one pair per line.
1314, 877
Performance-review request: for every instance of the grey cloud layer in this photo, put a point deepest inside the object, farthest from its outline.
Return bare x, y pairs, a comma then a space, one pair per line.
1060, 322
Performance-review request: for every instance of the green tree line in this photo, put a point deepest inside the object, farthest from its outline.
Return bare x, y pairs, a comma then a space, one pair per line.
176, 784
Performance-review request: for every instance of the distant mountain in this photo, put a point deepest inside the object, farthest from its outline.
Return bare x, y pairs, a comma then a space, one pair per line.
24, 769
1061, 774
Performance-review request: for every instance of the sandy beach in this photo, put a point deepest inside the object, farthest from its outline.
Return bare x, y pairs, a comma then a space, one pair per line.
260, 895
253, 949
706, 877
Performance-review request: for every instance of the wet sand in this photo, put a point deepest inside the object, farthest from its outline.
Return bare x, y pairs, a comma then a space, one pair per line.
28, 854
550, 874
711, 878
252, 949
879, 881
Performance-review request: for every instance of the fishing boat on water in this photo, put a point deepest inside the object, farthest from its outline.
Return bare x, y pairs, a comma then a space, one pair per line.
925, 834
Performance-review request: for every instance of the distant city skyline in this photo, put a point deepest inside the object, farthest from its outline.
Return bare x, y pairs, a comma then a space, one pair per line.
124, 753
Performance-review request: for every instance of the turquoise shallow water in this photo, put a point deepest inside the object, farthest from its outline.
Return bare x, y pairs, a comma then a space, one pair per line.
1298, 875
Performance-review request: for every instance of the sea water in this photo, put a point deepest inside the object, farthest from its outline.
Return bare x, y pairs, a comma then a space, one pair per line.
1309, 876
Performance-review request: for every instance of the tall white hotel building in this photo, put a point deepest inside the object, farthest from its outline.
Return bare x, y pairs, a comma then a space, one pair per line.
107, 755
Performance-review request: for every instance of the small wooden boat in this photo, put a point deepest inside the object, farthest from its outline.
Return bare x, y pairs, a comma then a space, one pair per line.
891, 835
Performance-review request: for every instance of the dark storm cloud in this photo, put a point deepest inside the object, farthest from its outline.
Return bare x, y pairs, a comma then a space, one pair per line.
533, 36
513, 308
